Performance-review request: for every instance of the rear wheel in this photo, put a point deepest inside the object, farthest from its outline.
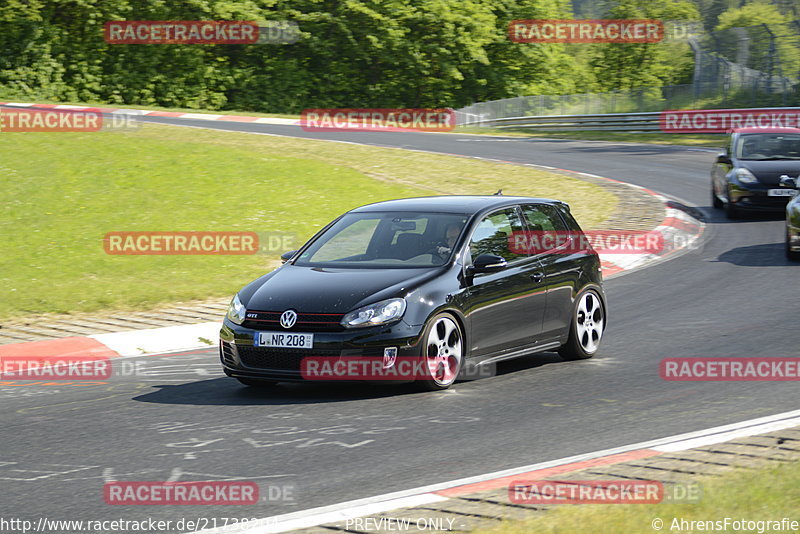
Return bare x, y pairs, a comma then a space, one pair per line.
586, 330
442, 353
256, 382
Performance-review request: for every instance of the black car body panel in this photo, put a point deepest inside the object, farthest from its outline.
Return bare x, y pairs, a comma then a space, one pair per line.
523, 308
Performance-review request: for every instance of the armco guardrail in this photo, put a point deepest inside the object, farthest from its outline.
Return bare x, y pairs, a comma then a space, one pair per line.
611, 122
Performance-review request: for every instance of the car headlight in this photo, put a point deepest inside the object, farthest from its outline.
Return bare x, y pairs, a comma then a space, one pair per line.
236, 310
746, 177
379, 313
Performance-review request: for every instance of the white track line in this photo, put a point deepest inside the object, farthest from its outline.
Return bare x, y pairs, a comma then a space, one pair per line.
401, 499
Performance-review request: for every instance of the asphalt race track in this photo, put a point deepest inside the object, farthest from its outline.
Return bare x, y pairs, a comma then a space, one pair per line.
179, 418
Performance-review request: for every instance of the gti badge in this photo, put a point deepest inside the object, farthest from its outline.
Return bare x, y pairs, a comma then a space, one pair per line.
288, 318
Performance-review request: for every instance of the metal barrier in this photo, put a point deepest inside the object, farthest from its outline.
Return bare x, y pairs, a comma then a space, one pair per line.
611, 122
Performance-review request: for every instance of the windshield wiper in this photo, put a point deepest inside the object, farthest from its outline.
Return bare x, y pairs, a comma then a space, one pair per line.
775, 158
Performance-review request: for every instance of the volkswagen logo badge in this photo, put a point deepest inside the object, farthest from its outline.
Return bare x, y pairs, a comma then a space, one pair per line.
288, 318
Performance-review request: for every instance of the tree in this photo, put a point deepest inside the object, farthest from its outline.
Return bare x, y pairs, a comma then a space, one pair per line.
634, 65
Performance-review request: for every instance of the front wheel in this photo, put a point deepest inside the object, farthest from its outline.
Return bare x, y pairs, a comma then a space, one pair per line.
586, 328
442, 353
715, 201
791, 255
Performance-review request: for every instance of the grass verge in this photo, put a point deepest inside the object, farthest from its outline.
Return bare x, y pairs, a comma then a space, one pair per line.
64, 191
769, 493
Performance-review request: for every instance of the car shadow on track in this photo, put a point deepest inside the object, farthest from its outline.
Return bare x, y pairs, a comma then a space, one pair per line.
765, 255
226, 391
528, 362
717, 216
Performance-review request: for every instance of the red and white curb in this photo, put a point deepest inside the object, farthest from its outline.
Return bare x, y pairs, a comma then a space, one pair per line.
501, 479
679, 230
149, 113
121, 344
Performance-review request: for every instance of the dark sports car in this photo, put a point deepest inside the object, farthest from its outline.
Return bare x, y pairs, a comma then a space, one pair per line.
414, 289
749, 173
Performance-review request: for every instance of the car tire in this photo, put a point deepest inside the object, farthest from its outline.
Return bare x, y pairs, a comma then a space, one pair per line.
256, 382
715, 201
442, 354
790, 254
586, 327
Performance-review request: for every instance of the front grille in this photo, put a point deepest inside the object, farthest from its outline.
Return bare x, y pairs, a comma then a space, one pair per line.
306, 322
766, 201
277, 358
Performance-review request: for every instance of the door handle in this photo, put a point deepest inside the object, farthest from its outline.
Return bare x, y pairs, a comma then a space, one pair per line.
537, 277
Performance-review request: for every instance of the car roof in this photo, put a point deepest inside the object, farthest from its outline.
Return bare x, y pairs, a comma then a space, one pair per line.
466, 204
766, 130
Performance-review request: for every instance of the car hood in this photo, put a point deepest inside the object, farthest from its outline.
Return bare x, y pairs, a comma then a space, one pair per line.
325, 290
770, 172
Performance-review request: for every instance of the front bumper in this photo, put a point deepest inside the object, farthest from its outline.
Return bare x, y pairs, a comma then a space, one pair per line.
240, 358
756, 198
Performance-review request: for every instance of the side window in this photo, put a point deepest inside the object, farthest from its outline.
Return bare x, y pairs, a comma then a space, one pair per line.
543, 218
494, 234
546, 228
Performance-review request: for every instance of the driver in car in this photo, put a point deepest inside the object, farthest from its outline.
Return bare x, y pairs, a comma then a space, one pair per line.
451, 234
750, 148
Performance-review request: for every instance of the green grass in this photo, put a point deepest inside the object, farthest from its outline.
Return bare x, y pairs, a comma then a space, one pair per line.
705, 140
768, 493
63, 192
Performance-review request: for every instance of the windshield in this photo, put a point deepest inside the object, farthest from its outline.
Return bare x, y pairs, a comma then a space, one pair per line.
768, 146
386, 240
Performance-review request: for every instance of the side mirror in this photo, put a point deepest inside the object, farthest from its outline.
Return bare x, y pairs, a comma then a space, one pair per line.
724, 158
286, 256
487, 263
786, 181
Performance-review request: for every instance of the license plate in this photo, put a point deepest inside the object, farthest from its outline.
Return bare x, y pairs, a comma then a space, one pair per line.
781, 192
284, 340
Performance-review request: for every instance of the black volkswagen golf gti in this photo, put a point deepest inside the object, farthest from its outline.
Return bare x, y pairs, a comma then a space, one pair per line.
418, 289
